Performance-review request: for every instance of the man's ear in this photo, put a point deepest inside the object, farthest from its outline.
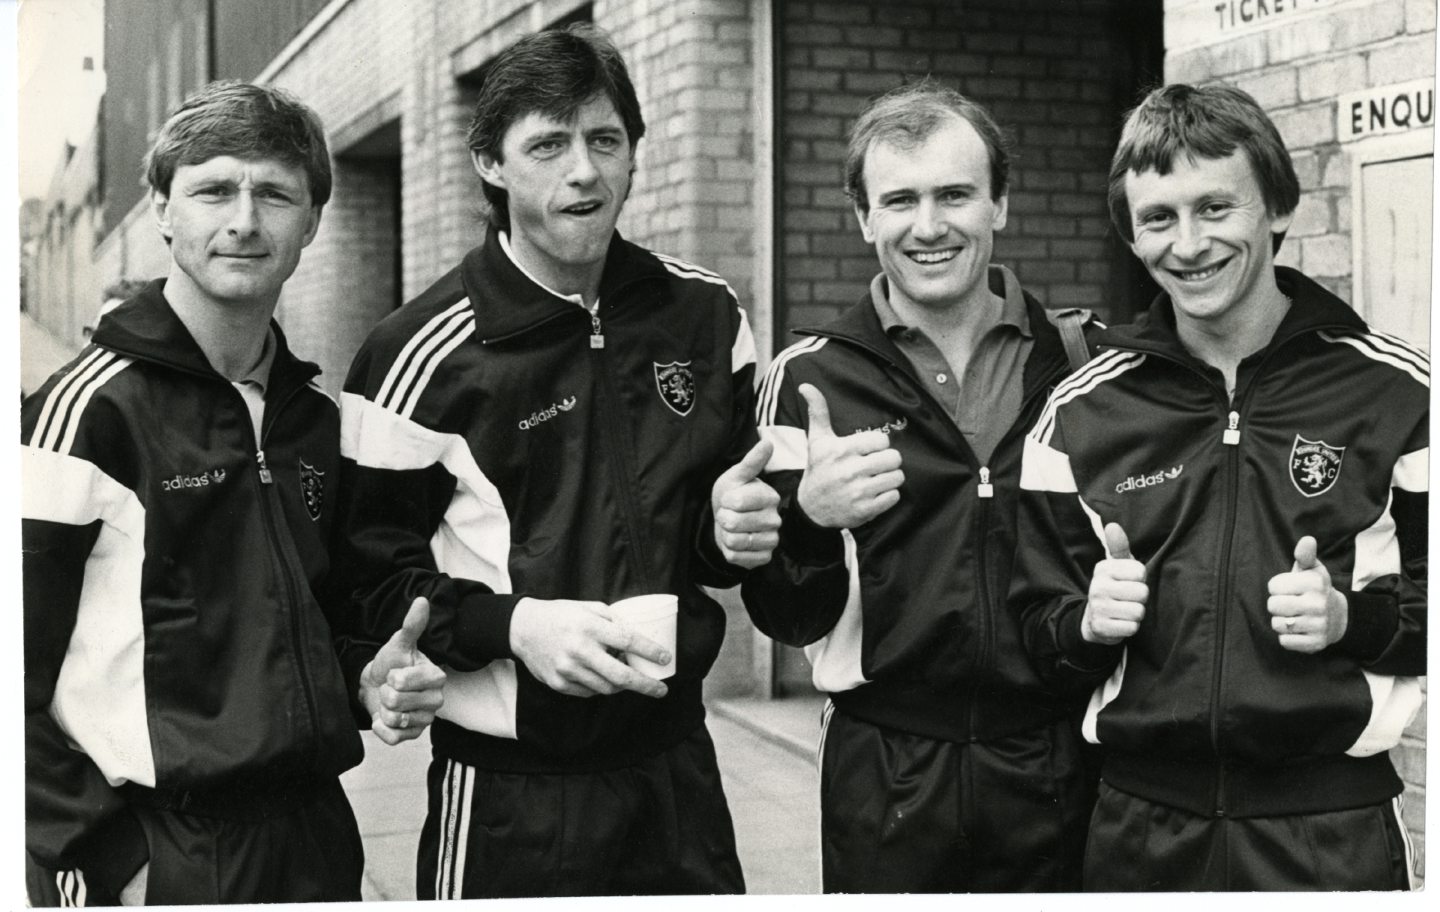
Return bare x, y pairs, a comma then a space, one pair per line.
863, 218
160, 206
314, 225
488, 168
1002, 212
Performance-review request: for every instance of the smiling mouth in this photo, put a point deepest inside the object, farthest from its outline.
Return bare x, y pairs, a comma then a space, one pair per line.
1198, 275
584, 208
931, 257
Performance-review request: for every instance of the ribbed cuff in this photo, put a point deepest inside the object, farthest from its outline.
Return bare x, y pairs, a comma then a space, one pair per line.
1374, 618
1079, 653
806, 542
482, 628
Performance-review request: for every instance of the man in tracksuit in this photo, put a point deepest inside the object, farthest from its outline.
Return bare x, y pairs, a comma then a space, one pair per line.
946, 764
187, 715
549, 429
1223, 533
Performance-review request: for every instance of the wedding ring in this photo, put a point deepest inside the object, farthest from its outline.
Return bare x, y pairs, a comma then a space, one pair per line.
404, 720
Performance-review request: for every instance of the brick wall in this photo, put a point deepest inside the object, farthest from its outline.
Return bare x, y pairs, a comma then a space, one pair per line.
1056, 77
1297, 70
691, 63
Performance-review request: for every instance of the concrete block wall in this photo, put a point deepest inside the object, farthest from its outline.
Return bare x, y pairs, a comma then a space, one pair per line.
1297, 69
1047, 73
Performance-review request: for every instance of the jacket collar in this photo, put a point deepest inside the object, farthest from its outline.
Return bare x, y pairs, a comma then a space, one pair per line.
506, 301
145, 327
861, 325
1313, 309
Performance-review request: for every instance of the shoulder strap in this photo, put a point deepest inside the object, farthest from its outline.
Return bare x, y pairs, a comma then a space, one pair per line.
1070, 322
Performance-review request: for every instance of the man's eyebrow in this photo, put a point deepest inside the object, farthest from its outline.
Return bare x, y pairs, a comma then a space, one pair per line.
529, 139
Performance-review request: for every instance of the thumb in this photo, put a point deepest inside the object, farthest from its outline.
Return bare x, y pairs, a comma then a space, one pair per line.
1305, 556
416, 620
1117, 542
819, 412
749, 468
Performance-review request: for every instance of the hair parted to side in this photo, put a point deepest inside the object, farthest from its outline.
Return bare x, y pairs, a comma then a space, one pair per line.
242, 120
1201, 122
554, 73
906, 116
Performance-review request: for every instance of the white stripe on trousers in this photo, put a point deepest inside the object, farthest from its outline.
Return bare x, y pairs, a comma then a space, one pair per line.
1397, 805
71, 885
825, 715
455, 802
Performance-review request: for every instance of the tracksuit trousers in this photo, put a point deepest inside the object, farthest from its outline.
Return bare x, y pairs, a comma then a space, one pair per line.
902, 813
661, 826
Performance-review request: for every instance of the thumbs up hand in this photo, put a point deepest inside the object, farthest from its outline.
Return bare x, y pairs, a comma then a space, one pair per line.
1118, 592
1306, 610
747, 514
400, 687
848, 481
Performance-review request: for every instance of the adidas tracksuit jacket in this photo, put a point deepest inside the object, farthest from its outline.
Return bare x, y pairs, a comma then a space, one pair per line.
903, 617
1327, 435
176, 654
493, 451
499, 442
903, 620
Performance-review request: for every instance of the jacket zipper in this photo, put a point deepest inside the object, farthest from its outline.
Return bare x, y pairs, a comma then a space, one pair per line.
1230, 438
267, 489
984, 491
620, 457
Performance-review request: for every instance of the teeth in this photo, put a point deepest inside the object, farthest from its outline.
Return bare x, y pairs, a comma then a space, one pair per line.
938, 256
1197, 275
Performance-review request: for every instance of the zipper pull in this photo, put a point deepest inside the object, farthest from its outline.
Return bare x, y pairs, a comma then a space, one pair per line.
985, 489
1232, 433
264, 469
597, 335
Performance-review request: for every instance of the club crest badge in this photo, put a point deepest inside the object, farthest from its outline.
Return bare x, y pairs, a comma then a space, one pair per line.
676, 384
1314, 465
312, 488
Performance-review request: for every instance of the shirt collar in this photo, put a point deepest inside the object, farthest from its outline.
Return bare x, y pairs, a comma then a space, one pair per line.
505, 246
259, 375
1002, 281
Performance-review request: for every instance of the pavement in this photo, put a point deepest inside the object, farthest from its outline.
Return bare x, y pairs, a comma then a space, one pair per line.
766, 751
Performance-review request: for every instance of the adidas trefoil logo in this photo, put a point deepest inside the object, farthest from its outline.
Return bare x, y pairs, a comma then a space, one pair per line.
1136, 482
545, 414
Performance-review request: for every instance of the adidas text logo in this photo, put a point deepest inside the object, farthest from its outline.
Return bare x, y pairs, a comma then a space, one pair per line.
545, 414
1135, 482
198, 480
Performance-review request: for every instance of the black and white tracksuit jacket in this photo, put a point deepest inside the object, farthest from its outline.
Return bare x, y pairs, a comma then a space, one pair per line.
1327, 435
903, 618
500, 442
175, 648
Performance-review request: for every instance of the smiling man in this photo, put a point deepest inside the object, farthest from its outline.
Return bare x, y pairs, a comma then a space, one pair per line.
552, 427
946, 765
1223, 534
187, 715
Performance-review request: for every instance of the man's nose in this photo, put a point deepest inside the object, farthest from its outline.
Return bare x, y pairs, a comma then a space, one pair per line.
1191, 239
243, 222
929, 222
582, 166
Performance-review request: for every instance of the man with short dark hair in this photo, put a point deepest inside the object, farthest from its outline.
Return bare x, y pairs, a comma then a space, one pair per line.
187, 715
1225, 538
946, 765
560, 423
